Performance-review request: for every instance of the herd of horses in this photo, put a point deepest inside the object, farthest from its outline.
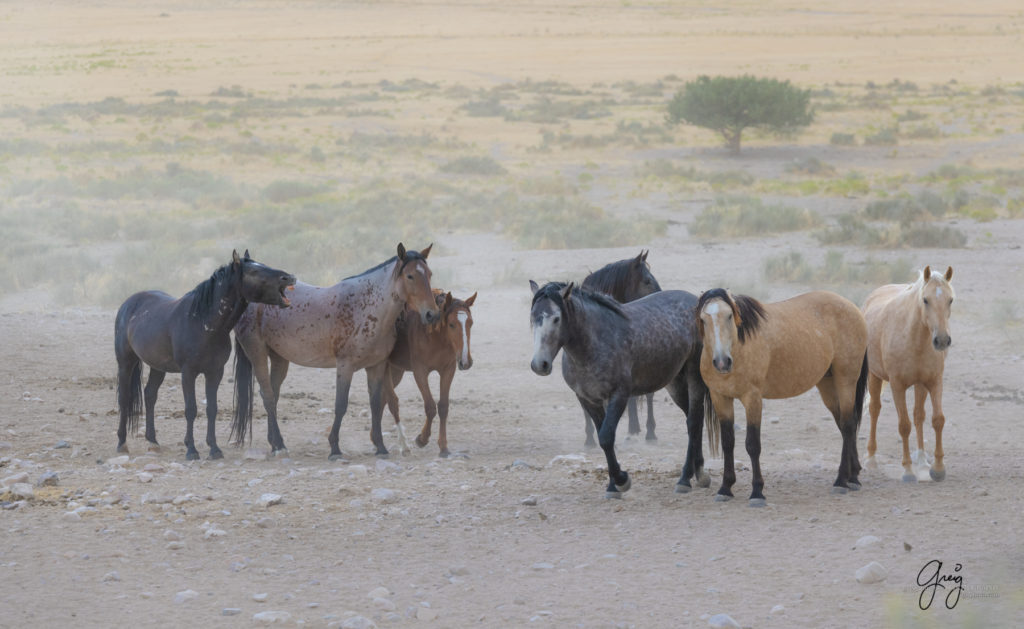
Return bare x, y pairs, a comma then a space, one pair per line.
621, 336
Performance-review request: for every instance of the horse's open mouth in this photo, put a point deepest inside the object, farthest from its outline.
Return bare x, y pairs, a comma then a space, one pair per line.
284, 300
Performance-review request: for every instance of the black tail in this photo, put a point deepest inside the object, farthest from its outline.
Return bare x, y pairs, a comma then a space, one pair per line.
134, 391
858, 404
241, 425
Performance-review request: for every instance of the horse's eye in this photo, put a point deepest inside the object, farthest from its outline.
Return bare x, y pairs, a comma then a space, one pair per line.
926, 301
556, 319
451, 325
409, 276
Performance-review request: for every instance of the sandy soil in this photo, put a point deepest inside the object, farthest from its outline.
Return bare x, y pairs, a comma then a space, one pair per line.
160, 540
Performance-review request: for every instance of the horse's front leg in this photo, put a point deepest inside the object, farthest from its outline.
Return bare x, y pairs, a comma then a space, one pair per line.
724, 410
156, 378
375, 383
420, 375
213, 378
343, 382
618, 479
753, 405
919, 457
938, 469
188, 389
442, 409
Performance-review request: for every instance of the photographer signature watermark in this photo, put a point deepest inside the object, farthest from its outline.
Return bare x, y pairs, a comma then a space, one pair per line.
935, 579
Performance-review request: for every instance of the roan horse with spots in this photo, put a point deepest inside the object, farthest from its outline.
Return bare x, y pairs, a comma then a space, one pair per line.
754, 351
348, 327
624, 281
615, 351
190, 335
422, 349
908, 335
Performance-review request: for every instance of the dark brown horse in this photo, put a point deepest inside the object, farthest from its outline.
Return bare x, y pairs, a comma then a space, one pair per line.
422, 349
347, 327
191, 335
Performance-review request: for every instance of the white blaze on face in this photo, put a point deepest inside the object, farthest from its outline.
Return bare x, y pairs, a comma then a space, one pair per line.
712, 310
543, 331
462, 316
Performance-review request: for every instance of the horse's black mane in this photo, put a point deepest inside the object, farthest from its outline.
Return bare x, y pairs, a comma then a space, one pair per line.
409, 257
202, 294
553, 291
751, 311
611, 279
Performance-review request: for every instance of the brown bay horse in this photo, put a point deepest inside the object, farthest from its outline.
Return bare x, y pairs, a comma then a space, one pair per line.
421, 349
190, 335
908, 335
754, 351
347, 327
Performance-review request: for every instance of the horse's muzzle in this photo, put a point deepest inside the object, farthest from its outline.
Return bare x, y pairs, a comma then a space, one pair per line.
541, 367
722, 365
429, 317
941, 342
465, 365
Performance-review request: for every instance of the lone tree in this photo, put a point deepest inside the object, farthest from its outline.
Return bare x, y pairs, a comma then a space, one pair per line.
729, 105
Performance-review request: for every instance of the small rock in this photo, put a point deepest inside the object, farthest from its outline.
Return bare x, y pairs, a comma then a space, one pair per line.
144, 477
254, 481
907, 547
426, 614
270, 618
521, 464
265, 523
386, 466
20, 477
153, 468
186, 595
267, 500
866, 541
358, 622
71, 516
253, 454
567, 459
22, 491
175, 545
542, 565
231, 611
172, 536
459, 571
62, 444
156, 499
722, 620
48, 479
871, 573
119, 460
379, 592
384, 604
214, 532
384, 496
358, 470
529, 501
260, 598
778, 609
111, 577
182, 499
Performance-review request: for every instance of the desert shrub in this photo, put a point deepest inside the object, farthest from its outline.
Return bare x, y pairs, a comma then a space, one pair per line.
810, 166
843, 139
933, 236
910, 116
851, 230
924, 132
835, 270
721, 179
234, 91
486, 108
285, 190
473, 165
749, 216
888, 136
901, 210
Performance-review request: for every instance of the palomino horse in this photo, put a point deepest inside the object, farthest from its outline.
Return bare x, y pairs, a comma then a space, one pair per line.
625, 280
422, 349
754, 351
191, 335
908, 335
614, 351
348, 326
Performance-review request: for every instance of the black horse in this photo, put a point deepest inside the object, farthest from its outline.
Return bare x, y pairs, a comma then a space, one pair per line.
190, 335
624, 281
614, 351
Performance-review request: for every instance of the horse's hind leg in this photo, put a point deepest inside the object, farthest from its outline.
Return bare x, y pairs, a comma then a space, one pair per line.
753, 407
938, 469
188, 388
588, 426
634, 417
919, 456
278, 372
650, 436
874, 408
129, 383
726, 422
156, 378
213, 379
849, 466
899, 398
692, 404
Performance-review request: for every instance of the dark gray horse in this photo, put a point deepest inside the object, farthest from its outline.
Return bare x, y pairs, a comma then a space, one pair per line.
614, 351
190, 335
624, 281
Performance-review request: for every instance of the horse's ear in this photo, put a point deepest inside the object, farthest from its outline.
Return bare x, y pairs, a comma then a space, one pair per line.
447, 301
426, 252
401, 251
643, 255
567, 291
533, 287
234, 257
926, 273
469, 302
246, 256
949, 273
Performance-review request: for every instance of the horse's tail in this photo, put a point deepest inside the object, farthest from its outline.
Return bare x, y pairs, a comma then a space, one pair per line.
858, 403
711, 425
134, 391
241, 425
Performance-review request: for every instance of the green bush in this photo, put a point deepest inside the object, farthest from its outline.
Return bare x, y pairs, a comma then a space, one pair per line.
843, 139
889, 136
749, 216
473, 165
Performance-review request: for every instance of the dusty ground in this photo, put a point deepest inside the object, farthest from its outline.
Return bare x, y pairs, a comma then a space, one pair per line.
455, 545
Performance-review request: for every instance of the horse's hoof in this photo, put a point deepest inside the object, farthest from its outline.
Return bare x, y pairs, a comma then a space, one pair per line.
757, 502
625, 487
703, 479
279, 453
722, 498
152, 446
651, 437
382, 454
937, 475
871, 463
337, 457
682, 489
613, 495
909, 478
839, 490
122, 449
405, 451
853, 486
420, 441
590, 445
444, 454
216, 454
192, 456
